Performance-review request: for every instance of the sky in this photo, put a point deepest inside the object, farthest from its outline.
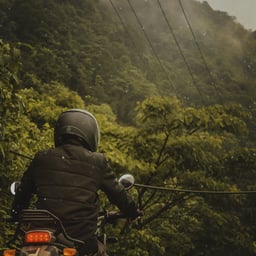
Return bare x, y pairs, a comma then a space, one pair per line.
243, 10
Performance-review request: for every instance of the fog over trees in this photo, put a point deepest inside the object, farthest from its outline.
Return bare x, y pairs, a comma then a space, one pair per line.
172, 84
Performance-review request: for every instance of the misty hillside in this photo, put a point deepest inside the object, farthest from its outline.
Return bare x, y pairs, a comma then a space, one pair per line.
195, 148
119, 52
202, 49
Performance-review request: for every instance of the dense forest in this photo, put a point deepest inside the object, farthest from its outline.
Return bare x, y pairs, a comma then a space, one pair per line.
172, 84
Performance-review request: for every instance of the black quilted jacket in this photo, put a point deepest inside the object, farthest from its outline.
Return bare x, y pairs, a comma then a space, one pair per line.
66, 180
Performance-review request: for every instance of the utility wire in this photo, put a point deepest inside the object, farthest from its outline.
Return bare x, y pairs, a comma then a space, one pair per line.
127, 31
191, 74
122, 22
147, 38
183, 56
196, 191
200, 51
170, 189
21, 155
177, 43
152, 48
180, 50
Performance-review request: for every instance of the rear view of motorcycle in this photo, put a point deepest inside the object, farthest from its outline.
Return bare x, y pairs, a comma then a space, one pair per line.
43, 234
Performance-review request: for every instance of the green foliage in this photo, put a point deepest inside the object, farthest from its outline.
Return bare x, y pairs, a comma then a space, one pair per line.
187, 147
85, 47
27, 118
77, 54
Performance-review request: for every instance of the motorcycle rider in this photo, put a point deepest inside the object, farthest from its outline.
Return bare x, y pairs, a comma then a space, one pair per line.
66, 180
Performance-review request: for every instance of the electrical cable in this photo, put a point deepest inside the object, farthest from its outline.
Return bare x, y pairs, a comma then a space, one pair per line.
176, 41
183, 56
191, 74
180, 50
127, 31
122, 22
195, 191
169, 189
152, 48
151, 45
21, 155
200, 51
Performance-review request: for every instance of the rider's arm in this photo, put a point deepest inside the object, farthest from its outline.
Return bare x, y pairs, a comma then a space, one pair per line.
24, 192
116, 192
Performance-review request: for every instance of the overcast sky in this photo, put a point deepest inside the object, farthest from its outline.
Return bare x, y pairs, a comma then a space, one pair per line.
243, 10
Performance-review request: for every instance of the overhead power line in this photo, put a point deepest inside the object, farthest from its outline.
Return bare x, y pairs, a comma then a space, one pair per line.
128, 32
197, 191
151, 46
181, 52
252, 192
200, 51
122, 22
21, 155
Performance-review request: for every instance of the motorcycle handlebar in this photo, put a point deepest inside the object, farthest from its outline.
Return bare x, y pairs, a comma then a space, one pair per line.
115, 215
110, 217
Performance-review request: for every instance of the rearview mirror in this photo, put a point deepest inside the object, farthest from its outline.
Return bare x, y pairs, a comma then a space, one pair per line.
14, 186
127, 180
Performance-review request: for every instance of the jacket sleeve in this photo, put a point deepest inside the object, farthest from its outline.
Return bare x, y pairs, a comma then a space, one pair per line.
116, 192
24, 191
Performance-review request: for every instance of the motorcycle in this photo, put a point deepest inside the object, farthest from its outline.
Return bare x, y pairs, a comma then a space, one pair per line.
43, 233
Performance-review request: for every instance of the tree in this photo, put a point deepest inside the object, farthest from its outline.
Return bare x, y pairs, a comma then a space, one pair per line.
27, 119
186, 148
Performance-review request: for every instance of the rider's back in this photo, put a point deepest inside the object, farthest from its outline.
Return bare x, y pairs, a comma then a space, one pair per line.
67, 179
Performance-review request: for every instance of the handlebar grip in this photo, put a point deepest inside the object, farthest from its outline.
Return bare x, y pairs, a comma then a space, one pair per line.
116, 215
112, 216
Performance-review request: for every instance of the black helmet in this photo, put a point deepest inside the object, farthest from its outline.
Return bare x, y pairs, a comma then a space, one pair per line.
80, 123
